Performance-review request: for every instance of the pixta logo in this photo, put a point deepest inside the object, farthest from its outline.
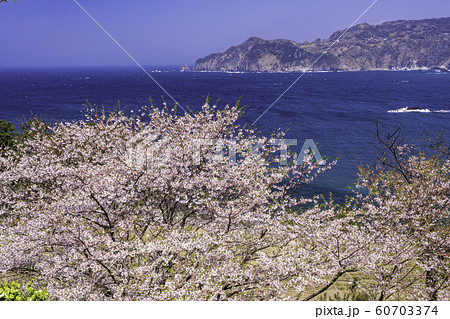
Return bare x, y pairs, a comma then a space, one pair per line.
146, 150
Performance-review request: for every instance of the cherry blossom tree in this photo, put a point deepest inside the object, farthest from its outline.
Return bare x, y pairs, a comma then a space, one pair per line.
408, 205
95, 215
159, 206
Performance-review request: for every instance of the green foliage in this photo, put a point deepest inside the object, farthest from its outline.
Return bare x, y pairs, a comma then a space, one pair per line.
9, 138
13, 292
29, 127
7, 134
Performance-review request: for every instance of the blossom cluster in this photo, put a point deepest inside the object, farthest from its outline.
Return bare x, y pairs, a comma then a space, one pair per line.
140, 207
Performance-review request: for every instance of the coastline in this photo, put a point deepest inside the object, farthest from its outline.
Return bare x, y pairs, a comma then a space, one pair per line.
436, 70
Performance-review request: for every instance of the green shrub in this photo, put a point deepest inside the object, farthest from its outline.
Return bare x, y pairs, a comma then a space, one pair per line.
7, 134
13, 292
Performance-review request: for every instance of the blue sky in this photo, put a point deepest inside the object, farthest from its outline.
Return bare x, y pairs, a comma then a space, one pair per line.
172, 32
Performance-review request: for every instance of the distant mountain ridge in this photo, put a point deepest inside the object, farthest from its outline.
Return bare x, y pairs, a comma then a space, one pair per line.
396, 45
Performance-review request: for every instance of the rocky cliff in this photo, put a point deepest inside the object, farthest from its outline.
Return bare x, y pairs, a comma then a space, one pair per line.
397, 45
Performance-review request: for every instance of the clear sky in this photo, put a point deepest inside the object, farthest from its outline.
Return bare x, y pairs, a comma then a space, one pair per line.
172, 32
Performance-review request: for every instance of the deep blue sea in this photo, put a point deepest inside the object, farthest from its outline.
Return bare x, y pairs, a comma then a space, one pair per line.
337, 110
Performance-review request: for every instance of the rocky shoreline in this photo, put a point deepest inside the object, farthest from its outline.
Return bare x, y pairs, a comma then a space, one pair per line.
398, 45
443, 70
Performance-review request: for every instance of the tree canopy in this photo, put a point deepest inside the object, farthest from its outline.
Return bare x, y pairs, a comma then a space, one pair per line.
158, 206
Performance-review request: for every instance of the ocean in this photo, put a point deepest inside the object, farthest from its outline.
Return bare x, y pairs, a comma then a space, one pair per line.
339, 111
